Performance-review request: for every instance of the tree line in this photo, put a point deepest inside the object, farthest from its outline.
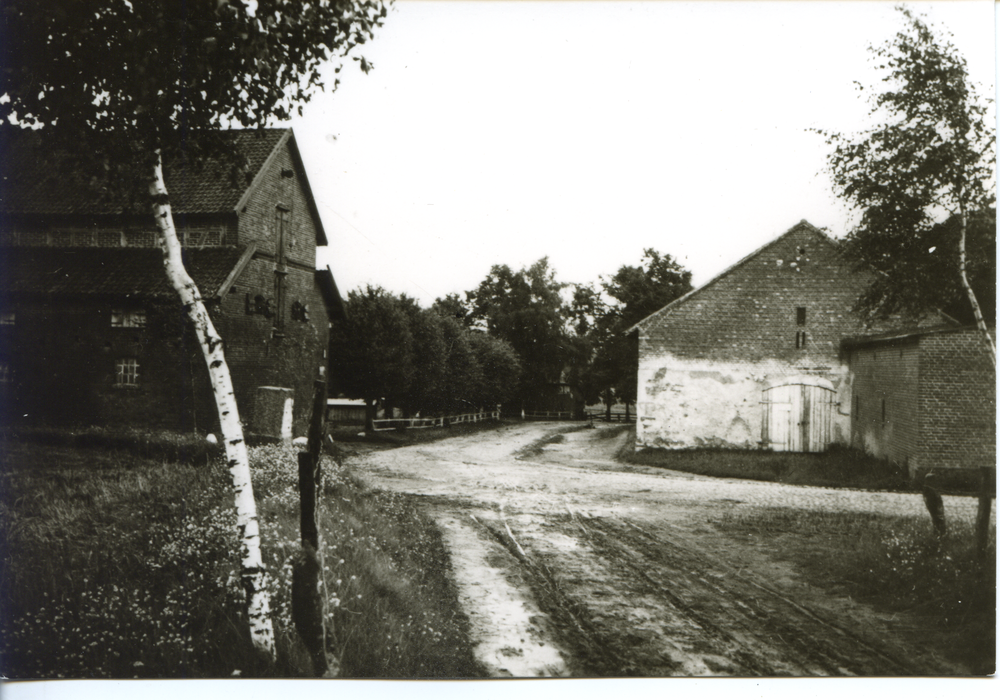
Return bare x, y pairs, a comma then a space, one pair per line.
512, 341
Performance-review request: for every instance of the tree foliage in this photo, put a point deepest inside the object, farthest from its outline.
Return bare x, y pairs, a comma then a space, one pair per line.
525, 308
121, 79
634, 292
393, 353
919, 179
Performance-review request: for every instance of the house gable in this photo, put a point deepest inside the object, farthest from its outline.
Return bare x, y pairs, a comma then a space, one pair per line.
790, 300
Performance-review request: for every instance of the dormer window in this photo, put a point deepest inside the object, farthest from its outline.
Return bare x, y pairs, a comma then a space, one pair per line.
128, 318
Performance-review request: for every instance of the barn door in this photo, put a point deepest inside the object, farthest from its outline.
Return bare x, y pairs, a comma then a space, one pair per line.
797, 415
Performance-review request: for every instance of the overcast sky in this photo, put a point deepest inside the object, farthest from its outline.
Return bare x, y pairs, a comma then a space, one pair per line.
501, 132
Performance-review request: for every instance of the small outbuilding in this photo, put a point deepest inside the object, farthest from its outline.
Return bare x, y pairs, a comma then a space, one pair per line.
925, 399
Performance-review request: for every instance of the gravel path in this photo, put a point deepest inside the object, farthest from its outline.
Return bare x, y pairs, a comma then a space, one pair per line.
569, 563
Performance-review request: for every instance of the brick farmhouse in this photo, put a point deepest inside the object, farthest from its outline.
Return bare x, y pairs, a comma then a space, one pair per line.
769, 354
91, 333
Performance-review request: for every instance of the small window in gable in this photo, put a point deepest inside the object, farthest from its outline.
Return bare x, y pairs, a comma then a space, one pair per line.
800, 339
202, 238
800, 316
127, 372
128, 318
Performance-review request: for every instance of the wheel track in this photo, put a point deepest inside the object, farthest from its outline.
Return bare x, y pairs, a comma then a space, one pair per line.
771, 611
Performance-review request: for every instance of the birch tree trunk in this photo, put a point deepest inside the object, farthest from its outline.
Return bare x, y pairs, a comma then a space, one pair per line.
252, 570
976, 311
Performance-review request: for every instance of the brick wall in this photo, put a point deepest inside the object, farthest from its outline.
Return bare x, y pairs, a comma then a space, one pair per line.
885, 400
62, 358
62, 352
705, 362
957, 402
750, 313
290, 358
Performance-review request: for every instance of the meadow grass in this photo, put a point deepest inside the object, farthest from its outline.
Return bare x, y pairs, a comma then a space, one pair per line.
120, 566
897, 564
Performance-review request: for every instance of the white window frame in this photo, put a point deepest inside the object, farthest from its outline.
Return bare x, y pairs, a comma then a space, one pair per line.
128, 318
126, 372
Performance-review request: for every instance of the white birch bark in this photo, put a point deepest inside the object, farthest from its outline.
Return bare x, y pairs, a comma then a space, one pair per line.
976, 311
253, 574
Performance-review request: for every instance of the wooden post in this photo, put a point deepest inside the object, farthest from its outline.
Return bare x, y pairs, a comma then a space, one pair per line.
987, 486
307, 603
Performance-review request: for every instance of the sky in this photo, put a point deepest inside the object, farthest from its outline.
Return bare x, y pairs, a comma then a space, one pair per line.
501, 132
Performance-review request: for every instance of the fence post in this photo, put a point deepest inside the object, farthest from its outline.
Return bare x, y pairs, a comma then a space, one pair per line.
307, 603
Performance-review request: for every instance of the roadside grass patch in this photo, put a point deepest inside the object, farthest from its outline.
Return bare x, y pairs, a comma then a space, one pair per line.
896, 564
554, 437
119, 566
838, 467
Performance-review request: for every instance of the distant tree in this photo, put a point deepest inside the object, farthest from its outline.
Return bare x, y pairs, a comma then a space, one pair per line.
499, 367
525, 308
463, 376
371, 353
641, 290
121, 85
429, 357
452, 306
634, 293
919, 178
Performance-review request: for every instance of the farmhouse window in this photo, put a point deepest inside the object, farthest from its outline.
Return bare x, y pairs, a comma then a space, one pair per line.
128, 318
800, 339
7, 318
127, 372
800, 316
202, 238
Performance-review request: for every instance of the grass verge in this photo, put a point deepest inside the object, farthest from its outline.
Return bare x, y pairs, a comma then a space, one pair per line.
117, 565
896, 564
838, 467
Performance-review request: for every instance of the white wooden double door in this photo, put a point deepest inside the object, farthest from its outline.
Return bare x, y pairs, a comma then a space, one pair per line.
798, 415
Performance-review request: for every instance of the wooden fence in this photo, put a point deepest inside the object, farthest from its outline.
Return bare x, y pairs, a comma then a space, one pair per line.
547, 415
416, 423
616, 416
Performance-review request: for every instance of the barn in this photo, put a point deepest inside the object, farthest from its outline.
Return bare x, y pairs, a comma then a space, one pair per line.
752, 359
91, 333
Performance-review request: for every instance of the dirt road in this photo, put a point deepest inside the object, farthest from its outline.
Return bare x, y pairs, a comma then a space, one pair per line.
570, 564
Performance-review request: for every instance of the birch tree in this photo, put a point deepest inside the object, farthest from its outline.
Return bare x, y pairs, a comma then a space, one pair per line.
919, 178
122, 86
925, 169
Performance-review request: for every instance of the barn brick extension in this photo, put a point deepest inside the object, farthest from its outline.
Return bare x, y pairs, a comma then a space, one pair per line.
926, 400
92, 333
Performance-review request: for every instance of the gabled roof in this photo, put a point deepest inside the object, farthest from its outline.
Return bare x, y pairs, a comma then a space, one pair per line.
109, 272
30, 185
802, 225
